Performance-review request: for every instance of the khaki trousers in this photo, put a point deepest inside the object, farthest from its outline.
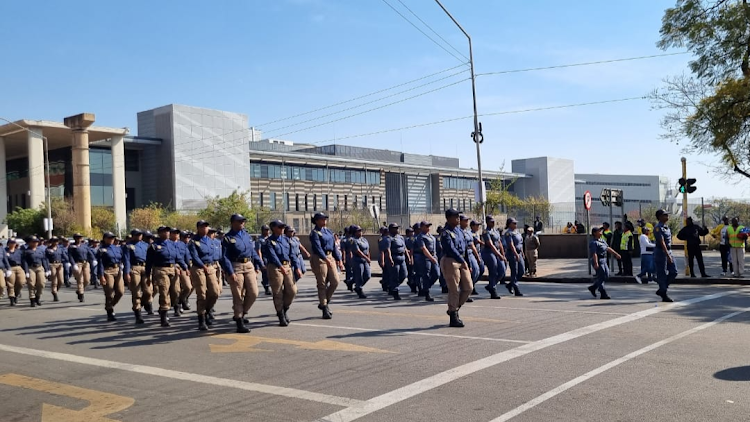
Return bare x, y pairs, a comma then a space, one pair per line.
206, 287
37, 280
141, 290
220, 276
56, 276
113, 287
186, 286
16, 281
282, 285
82, 276
327, 279
458, 280
163, 278
532, 256
244, 291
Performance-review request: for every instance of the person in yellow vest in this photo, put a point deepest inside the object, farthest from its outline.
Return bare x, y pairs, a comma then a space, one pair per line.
720, 233
643, 224
626, 246
737, 244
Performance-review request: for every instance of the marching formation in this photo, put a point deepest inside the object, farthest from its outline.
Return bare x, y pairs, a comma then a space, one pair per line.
173, 264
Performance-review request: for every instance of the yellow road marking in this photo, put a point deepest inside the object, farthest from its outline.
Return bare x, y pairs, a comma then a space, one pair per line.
100, 405
245, 343
420, 316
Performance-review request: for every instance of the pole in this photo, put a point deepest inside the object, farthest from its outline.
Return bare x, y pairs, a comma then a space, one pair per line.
609, 257
477, 134
588, 237
703, 217
685, 211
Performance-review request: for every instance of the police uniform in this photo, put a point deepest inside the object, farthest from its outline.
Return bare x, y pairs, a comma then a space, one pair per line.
384, 244
36, 268
666, 272
399, 272
427, 271
298, 261
360, 265
514, 241
239, 261
345, 245
324, 257
63, 246
17, 278
455, 268
186, 286
470, 257
57, 260
278, 253
110, 258
5, 268
599, 247
80, 259
203, 273
495, 265
162, 260
91, 251
263, 270
139, 283
411, 279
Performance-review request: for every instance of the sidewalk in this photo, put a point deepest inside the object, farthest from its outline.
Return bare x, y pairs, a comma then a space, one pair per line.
576, 271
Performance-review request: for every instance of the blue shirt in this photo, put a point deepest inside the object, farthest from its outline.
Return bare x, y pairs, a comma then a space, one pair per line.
322, 243
183, 249
237, 246
15, 258
259, 248
384, 243
218, 249
163, 253
78, 253
599, 247
4, 263
513, 238
398, 247
134, 253
54, 255
34, 258
277, 250
453, 242
491, 237
661, 231
108, 256
426, 240
202, 251
361, 245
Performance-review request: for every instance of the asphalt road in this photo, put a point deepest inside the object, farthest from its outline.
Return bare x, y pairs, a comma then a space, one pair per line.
556, 354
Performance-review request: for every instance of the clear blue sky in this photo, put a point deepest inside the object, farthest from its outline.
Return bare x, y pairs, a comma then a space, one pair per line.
275, 58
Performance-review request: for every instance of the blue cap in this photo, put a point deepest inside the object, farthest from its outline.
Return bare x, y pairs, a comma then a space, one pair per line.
277, 223
355, 228
393, 226
318, 216
425, 224
108, 235
163, 229
147, 234
489, 219
237, 217
464, 217
511, 220
474, 223
451, 212
201, 223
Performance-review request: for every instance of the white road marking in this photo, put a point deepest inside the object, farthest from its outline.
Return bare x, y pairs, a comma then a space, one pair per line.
413, 333
404, 393
564, 311
585, 377
186, 376
84, 309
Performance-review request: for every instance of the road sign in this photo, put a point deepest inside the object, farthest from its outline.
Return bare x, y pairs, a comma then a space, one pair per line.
606, 197
587, 200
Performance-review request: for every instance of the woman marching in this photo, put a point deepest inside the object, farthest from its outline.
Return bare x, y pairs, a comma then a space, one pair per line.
514, 242
598, 249
493, 255
325, 261
360, 250
298, 253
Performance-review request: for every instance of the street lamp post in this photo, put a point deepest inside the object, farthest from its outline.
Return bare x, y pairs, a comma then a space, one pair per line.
477, 134
48, 196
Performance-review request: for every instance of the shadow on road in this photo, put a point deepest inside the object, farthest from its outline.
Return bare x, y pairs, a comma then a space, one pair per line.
740, 373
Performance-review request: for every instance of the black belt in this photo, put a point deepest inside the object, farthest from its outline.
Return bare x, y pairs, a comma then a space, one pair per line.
80, 262
164, 266
15, 266
418, 253
284, 262
36, 266
329, 252
242, 260
399, 254
112, 267
56, 262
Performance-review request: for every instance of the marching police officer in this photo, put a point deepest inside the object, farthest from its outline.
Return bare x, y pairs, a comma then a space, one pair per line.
345, 244
240, 261
426, 263
478, 243
109, 273
17, 276
80, 259
278, 253
298, 261
666, 271
396, 257
324, 261
410, 276
360, 250
439, 252
493, 254
36, 267
163, 262
471, 253
598, 249
203, 273
93, 244
134, 270
63, 246
265, 232
454, 266
5, 273
56, 259
514, 243
384, 244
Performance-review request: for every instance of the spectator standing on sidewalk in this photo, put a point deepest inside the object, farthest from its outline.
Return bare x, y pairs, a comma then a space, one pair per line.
616, 242
627, 244
720, 233
579, 227
569, 228
647, 256
691, 235
531, 247
737, 238
538, 225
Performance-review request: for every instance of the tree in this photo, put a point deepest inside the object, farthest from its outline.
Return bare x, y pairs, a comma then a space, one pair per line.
102, 220
63, 216
501, 200
26, 221
710, 108
147, 218
725, 207
181, 220
219, 210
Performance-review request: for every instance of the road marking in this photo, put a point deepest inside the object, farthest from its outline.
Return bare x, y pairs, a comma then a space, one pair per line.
76, 308
185, 376
585, 377
564, 311
413, 333
404, 393
100, 404
420, 316
245, 343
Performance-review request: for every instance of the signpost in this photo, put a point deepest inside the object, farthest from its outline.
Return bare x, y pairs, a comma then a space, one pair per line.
587, 206
610, 197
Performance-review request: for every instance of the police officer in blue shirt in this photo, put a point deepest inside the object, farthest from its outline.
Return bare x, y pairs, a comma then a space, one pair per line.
56, 259
514, 253
324, 260
5, 272
346, 259
80, 259
240, 261
396, 258
93, 245
36, 267
265, 232
203, 273
493, 255
298, 260
17, 277
454, 266
598, 249
410, 276
183, 278
384, 244
426, 263
278, 253
471, 253
163, 262
109, 272
360, 250
134, 270
666, 271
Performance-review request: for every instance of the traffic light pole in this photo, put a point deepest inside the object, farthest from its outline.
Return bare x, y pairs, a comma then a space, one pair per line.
685, 212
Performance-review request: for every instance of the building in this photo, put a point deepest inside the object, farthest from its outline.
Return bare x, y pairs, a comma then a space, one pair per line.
639, 192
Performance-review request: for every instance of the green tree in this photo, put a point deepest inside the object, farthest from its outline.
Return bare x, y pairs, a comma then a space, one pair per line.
63, 216
26, 221
219, 210
148, 217
181, 220
501, 200
711, 107
102, 220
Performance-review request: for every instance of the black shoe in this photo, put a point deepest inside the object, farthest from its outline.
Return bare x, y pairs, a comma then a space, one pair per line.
326, 312
458, 317
67, 284
268, 290
509, 287
474, 292
244, 319
604, 295
282, 320
33, 303
202, 323
80, 297
427, 296
705, 276
665, 298
493, 293
445, 290
360, 294
209, 319
395, 295
469, 300
38, 301
241, 326
592, 289
414, 289
163, 317
176, 310
692, 275
518, 291
286, 316
421, 293
111, 316
185, 305
349, 286
455, 322
12, 301
138, 318
149, 308
54, 297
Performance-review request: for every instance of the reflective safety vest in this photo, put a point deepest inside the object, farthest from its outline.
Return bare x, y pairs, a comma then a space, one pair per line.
626, 237
735, 241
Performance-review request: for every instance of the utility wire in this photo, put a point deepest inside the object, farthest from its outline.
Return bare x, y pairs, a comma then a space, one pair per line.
433, 31
423, 33
533, 69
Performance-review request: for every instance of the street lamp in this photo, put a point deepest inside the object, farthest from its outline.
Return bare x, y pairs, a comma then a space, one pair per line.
48, 196
477, 134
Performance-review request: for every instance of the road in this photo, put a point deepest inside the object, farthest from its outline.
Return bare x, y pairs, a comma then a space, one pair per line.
555, 354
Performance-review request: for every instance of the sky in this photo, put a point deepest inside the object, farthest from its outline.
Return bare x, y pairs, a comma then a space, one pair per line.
273, 59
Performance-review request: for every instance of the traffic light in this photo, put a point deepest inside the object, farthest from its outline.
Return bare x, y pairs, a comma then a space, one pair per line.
617, 197
686, 185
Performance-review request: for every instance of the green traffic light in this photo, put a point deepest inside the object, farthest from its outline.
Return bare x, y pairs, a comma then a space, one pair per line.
682, 189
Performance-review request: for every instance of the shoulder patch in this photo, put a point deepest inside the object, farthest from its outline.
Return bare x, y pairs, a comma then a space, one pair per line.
103, 249
657, 228
132, 247
197, 243
232, 240
452, 235
273, 242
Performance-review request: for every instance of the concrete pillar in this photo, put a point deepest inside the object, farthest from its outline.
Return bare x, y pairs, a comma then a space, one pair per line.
81, 171
36, 167
3, 191
118, 182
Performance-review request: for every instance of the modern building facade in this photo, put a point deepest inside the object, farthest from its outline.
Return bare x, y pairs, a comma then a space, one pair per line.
639, 192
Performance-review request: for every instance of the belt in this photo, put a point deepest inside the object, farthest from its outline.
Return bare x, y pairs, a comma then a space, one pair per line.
284, 262
139, 264
56, 262
329, 253
15, 266
164, 266
190, 263
36, 265
112, 267
242, 260
208, 263
80, 262
418, 253
399, 254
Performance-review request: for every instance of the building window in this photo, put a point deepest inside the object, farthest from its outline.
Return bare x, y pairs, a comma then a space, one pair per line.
373, 200
132, 160
346, 203
325, 202
272, 200
337, 204
286, 201
307, 208
444, 207
364, 201
355, 204
451, 202
380, 203
296, 202
471, 205
261, 199
315, 202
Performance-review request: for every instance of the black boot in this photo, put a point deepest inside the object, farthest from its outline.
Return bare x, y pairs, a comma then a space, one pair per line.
164, 320
458, 317
282, 320
111, 316
241, 326
268, 290
445, 289
413, 288
149, 308
349, 286
33, 303
421, 293
176, 310
244, 319
493, 293
138, 318
286, 316
474, 292
518, 291
427, 296
592, 289
326, 311
604, 295
12, 301
360, 294
395, 295
185, 305
469, 300
38, 301
54, 297
509, 286
80, 297
209, 318
202, 323
455, 322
